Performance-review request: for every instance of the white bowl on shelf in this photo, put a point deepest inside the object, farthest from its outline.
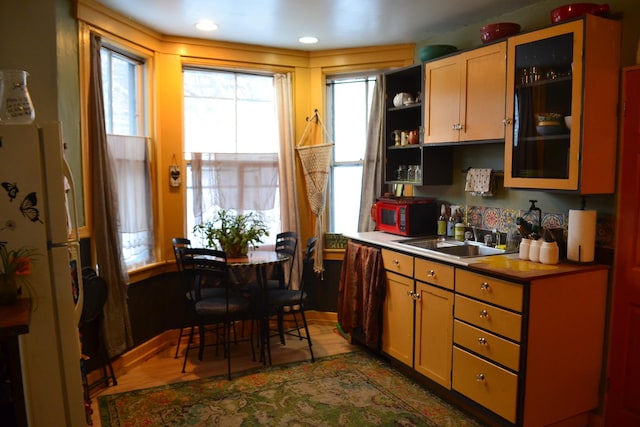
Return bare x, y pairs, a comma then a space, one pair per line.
567, 122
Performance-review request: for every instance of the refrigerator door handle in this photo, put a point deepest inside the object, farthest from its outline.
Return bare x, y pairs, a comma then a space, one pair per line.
75, 244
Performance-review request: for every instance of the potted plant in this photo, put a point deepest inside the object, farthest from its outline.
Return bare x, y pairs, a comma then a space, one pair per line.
233, 233
15, 264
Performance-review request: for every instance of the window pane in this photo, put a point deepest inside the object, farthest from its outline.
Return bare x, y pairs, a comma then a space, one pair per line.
227, 112
346, 198
122, 83
350, 120
349, 102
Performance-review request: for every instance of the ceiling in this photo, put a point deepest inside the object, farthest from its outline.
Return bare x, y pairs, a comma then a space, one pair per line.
336, 23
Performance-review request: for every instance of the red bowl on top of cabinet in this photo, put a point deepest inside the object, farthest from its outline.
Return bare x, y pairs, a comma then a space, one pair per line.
497, 31
574, 10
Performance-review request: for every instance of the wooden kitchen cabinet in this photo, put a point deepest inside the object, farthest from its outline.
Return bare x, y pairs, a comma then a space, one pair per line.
514, 343
433, 320
397, 320
569, 69
464, 97
429, 300
531, 353
436, 163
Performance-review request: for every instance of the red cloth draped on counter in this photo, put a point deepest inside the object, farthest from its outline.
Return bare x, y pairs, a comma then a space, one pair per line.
361, 292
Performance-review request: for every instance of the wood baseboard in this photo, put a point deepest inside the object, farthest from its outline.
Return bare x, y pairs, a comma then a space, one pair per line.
138, 355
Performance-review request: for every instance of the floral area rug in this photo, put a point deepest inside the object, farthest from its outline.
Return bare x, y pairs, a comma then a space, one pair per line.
352, 389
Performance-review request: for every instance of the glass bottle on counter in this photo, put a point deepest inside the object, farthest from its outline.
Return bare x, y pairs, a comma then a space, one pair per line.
442, 221
451, 222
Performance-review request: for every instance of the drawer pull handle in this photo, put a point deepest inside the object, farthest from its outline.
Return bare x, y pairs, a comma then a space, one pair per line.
484, 287
431, 273
396, 262
482, 341
484, 314
480, 378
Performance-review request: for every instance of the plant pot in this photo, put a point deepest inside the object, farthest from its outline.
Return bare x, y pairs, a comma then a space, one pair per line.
236, 251
8, 290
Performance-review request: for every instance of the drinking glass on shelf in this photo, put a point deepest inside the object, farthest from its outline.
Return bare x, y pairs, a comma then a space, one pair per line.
411, 173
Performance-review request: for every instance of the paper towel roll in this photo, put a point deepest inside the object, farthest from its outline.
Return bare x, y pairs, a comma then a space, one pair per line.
581, 241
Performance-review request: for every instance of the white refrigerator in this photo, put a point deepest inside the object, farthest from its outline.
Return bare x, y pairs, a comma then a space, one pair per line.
37, 210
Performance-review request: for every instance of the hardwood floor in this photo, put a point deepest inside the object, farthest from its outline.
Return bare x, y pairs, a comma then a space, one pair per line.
163, 368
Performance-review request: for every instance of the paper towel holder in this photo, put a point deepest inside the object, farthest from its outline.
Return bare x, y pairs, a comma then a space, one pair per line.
578, 249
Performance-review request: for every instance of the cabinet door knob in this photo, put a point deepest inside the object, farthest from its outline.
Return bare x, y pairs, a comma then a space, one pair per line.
507, 121
455, 126
485, 287
480, 378
484, 314
482, 341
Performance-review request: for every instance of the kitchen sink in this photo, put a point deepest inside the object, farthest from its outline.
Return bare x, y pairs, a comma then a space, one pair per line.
451, 247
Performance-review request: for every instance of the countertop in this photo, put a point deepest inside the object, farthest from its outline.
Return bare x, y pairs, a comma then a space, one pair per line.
507, 265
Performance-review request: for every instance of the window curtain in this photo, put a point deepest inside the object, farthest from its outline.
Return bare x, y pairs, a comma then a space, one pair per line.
104, 208
238, 181
132, 179
372, 174
289, 211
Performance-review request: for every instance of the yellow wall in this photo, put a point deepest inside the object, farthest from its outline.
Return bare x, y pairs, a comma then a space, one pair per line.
167, 57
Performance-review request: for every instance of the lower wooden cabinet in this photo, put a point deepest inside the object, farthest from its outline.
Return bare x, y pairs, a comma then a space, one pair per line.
524, 352
397, 320
491, 386
433, 333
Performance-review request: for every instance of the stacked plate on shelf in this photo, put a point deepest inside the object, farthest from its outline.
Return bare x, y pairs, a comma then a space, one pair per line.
550, 124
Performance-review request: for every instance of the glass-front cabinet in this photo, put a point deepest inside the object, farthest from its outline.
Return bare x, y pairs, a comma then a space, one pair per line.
562, 91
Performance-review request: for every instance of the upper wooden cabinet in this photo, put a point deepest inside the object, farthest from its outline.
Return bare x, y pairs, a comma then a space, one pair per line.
464, 97
569, 69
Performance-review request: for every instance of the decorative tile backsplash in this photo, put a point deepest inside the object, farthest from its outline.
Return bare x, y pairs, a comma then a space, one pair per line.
499, 219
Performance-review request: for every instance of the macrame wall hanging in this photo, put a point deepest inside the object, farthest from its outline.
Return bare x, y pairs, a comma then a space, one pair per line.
316, 161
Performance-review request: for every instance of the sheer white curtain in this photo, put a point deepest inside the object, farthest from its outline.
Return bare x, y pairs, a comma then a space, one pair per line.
288, 185
132, 179
239, 181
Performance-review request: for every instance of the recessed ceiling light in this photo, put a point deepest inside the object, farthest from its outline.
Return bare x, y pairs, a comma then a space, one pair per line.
206, 25
308, 40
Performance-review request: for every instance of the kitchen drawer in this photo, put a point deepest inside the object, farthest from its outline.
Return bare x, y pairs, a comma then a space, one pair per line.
434, 272
397, 262
492, 318
489, 289
501, 351
485, 383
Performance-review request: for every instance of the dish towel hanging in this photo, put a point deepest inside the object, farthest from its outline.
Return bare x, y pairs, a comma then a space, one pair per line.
480, 182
